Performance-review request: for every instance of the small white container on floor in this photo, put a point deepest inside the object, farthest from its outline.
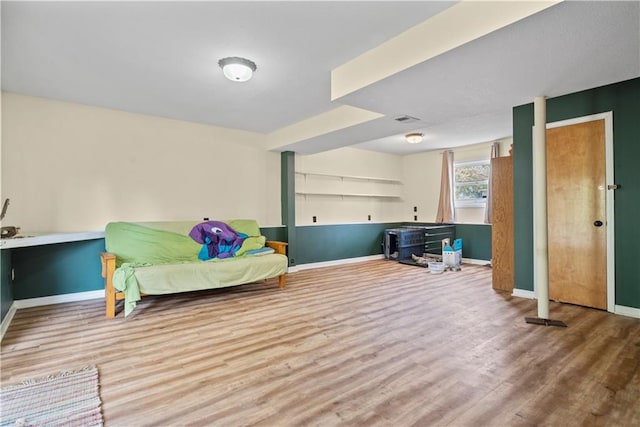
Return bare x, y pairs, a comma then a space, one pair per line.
436, 267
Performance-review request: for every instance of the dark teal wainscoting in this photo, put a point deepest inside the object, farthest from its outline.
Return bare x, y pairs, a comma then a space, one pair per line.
5, 282
56, 269
476, 240
318, 243
624, 100
274, 233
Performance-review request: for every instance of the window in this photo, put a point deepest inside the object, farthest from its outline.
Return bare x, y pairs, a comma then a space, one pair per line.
471, 182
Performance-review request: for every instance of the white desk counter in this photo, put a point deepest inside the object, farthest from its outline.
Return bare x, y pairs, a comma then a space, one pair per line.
24, 240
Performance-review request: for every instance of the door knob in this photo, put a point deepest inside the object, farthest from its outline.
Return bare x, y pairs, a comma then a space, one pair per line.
598, 223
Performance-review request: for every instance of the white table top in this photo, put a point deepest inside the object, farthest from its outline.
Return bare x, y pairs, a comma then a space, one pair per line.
23, 240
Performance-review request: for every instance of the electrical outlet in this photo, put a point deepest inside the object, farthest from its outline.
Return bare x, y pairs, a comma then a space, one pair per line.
415, 209
369, 217
314, 218
415, 217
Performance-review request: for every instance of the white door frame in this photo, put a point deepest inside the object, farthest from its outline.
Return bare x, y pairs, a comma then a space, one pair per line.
608, 142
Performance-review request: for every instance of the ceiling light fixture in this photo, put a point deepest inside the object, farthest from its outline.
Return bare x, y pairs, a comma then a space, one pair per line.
237, 69
414, 137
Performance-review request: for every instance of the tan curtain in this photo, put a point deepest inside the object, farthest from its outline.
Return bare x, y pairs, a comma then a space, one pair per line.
495, 152
446, 209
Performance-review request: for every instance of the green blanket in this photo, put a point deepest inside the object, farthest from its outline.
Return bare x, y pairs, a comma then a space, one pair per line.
137, 245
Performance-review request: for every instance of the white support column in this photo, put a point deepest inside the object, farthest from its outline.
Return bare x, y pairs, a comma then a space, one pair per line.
540, 238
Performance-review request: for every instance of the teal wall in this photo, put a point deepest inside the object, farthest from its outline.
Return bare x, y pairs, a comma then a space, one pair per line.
6, 296
274, 233
624, 100
288, 202
56, 269
318, 243
476, 240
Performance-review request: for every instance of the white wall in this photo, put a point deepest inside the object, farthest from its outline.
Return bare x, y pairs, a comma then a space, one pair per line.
350, 162
420, 185
70, 167
422, 180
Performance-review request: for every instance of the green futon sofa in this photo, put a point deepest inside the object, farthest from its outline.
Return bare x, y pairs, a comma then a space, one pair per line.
156, 258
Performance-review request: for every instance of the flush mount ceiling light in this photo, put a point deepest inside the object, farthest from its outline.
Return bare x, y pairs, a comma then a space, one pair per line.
237, 69
414, 137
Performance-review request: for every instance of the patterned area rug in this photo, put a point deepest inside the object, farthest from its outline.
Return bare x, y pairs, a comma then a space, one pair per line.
65, 399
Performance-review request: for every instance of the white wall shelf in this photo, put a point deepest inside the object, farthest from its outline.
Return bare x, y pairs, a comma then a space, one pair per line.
317, 193
348, 186
327, 184
354, 177
337, 197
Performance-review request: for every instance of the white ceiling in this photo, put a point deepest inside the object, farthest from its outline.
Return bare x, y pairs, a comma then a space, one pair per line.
160, 58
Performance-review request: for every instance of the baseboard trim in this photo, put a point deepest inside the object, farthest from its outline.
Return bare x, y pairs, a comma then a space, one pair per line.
618, 309
521, 293
476, 261
333, 263
7, 320
58, 299
366, 258
627, 311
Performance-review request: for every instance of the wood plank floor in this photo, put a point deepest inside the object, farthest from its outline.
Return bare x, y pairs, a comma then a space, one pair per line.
373, 343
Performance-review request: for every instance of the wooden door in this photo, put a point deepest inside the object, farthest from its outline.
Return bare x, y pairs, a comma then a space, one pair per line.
502, 223
576, 208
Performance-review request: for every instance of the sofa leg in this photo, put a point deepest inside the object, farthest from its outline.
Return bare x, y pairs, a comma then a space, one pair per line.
110, 303
282, 281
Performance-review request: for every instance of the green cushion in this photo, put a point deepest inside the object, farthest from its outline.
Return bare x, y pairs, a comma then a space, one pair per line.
246, 226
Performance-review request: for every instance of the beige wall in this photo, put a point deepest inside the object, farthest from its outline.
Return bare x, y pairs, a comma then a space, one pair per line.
69, 167
422, 180
346, 163
420, 185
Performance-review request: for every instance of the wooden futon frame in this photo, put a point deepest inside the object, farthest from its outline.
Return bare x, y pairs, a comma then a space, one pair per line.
111, 295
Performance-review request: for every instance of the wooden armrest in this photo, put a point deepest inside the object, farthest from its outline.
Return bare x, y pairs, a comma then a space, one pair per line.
279, 247
107, 258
